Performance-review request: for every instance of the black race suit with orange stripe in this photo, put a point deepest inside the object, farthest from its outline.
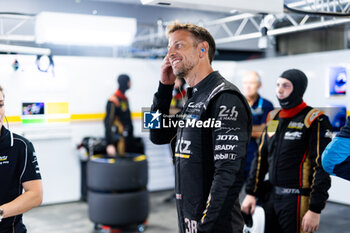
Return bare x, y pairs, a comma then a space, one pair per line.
118, 122
209, 161
290, 151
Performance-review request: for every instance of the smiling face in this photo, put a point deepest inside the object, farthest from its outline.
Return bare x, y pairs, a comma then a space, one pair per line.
284, 88
183, 52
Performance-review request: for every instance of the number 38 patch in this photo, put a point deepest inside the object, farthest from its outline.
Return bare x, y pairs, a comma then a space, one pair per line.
191, 226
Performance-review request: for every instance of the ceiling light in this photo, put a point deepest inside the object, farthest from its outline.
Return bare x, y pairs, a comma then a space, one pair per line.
77, 29
24, 49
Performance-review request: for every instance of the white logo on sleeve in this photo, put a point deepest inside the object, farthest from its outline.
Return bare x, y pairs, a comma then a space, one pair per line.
228, 113
225, 147
221, 156
227, 137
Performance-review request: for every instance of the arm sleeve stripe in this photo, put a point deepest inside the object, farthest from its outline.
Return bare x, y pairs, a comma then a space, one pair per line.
26, 158
259, 163
318, 156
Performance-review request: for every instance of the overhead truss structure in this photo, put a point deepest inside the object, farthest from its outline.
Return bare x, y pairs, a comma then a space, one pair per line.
17, 27
320, 7
312, 14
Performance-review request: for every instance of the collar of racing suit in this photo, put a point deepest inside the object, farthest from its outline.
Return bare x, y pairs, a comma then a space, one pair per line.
202, 84
120, 95
288, 113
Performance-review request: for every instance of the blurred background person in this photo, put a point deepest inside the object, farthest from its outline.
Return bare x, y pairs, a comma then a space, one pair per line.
118, 123
260, 107
179, 96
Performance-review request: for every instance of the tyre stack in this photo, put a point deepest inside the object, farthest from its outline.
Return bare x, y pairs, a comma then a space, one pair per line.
117, 190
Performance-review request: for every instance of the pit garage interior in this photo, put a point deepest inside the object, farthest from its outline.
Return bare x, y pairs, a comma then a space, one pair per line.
75, 75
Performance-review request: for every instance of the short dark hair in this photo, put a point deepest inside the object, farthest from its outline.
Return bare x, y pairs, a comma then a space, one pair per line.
200, 34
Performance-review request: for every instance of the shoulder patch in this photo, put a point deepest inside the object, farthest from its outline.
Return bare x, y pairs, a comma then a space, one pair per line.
272, 127
271, 115
115, 100
312, 115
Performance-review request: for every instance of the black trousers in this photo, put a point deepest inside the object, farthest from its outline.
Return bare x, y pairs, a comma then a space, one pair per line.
284, 213
18, 228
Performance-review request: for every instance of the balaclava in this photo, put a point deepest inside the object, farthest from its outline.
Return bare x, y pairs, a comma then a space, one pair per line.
299, 81
123, 80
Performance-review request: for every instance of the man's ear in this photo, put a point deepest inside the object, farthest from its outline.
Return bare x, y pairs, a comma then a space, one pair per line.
203, 48
259, 84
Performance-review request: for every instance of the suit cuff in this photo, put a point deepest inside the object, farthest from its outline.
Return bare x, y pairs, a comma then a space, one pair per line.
315, 208
165, 91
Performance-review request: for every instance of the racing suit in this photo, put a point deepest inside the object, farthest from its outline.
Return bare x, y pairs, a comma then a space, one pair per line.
289, 151
118, 122
209, 161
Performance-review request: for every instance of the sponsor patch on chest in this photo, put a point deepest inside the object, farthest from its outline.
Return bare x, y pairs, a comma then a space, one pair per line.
295, 125
293, 135
3, 160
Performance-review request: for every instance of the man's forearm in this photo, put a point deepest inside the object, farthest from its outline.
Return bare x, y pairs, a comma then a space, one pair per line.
257, 130
22, 204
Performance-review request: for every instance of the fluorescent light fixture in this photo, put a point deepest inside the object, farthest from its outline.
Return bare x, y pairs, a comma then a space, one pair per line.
265, 6
77, 29
24, 49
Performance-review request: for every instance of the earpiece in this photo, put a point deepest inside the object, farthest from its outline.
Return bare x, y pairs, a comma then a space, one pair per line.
203, 49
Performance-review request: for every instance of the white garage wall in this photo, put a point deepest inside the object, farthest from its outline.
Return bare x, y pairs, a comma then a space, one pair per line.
315, 67
86, 83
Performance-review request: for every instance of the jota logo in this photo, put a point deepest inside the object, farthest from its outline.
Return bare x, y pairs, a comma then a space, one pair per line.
151, 120
227, 137
3, 158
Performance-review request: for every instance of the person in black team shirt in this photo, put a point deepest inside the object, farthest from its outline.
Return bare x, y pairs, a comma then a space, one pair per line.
290, 151
19, 171
118, 123
209, 161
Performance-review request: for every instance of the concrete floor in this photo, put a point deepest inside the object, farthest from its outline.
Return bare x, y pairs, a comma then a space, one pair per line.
73, 218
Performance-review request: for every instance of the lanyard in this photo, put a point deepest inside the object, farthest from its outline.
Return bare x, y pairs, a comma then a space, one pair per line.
258, 110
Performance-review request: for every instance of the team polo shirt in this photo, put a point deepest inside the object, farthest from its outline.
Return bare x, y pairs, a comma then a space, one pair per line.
18, 164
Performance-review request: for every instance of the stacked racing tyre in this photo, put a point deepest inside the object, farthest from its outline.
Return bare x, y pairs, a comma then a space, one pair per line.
117, 191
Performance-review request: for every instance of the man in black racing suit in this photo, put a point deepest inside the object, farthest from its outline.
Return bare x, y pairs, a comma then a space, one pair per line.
210, 150
118, 123
290, 151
